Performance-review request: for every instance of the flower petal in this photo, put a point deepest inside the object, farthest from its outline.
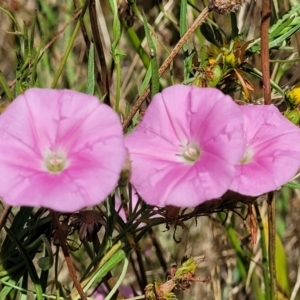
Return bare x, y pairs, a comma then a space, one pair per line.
87, 132
177, 116
275, 146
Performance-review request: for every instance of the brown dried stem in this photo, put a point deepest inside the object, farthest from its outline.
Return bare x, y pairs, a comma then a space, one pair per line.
166, 64
265, 24
4, 215
68, 259
265, 61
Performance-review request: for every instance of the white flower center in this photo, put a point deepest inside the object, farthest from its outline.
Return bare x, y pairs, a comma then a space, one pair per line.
191, 152
55, 162
247, 156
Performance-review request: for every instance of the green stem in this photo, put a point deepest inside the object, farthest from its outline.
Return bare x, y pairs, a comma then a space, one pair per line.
115, 51
119, 282
118, 82
137, 44
272, 249
182, 30
263, 243
5, 86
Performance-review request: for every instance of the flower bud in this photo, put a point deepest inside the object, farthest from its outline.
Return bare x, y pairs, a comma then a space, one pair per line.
125, 174
215, 76
293, 116
230, 60
294, 94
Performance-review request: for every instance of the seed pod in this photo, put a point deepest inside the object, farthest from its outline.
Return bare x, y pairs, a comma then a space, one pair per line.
225, 6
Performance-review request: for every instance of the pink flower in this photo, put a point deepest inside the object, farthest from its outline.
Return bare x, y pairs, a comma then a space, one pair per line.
272, 155
185, 149
62, 150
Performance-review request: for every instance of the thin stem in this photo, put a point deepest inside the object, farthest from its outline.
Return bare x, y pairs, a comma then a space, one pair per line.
265, 24
5, 87
56, 272
137, 44
166, 64
272, 243
119, 282
265, 64
68, 259
135, 271
158, 250
263, 243
140, 262
4, 215
118, 83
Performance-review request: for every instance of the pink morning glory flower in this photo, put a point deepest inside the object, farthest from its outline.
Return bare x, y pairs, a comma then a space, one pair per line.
185, 149
272, 155
59, 149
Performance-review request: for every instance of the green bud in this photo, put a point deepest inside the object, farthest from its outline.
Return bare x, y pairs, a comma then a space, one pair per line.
230, 60
293, 116
187, 266
294, 94
215, 76
44, 263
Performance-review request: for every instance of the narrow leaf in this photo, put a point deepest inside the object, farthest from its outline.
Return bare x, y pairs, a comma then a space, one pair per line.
154, 63
29, 264
90, 86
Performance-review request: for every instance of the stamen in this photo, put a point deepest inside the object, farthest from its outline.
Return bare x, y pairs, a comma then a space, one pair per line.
55, 162
191, 152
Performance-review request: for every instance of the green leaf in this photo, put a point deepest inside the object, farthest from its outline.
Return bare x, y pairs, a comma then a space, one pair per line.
7, 288
213, 35
31, 40
183, 20
34, 66
146, 80
90, 86
293, 185
188, 58
256, 287
6, 87
280, 262
283, 37
26, 41
283, 29
16, 228
137, 44
282, 267
234, 27
116, 25
29, 264
111, 259
154, 63
16, 24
